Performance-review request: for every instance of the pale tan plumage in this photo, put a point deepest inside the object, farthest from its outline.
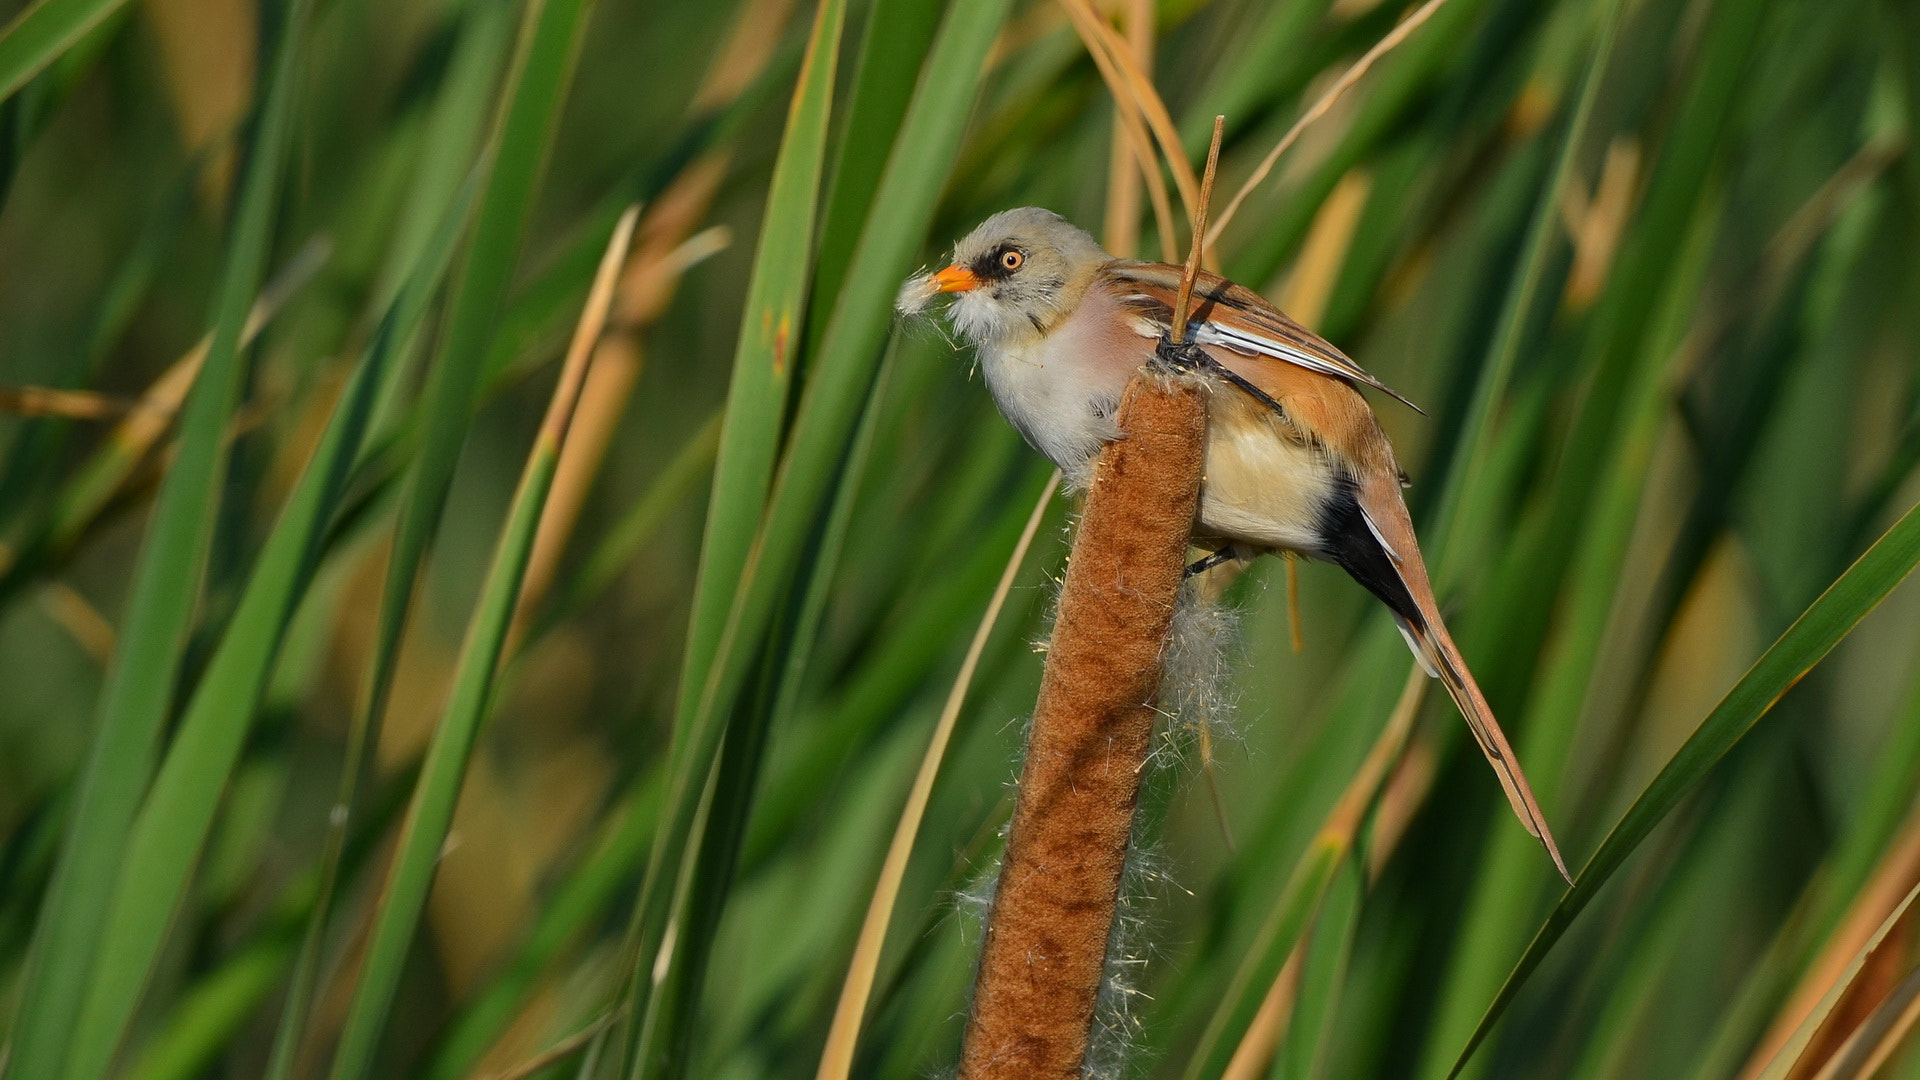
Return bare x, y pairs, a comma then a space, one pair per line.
1061, 327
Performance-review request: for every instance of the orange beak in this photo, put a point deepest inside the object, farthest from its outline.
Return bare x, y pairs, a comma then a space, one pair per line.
955, 278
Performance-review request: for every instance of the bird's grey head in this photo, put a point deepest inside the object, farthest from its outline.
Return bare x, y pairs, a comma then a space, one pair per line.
1016, 276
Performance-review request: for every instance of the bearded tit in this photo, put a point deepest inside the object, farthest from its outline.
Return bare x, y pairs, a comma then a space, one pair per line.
1295, 459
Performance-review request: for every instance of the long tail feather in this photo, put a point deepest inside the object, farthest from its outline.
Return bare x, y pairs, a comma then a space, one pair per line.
1435, 649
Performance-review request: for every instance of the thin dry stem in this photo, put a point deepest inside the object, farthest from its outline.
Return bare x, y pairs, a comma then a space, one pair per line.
1319, 108
1254, 1056
836, 1061
575, 373
79, 618
1122, 232
1899, 868
661, 252
1183, 298
1126, 109
561, 1050
66, 404
586, 333
1128, 83
1257, 1046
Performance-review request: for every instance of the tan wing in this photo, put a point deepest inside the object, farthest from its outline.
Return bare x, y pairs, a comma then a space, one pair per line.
1232, 317
1387, 518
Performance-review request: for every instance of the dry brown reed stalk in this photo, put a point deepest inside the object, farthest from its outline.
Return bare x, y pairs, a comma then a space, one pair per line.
1319, 108
80, 619
1122, 231
836, 1060
1044, 956
1253, 1058
1897, 872
66, 404
1130, 85
662, 251
1128, 113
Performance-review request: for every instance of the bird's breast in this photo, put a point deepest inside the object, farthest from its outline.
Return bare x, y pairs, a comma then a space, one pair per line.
1061, 392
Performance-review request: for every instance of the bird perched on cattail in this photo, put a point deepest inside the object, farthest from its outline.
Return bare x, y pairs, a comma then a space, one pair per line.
1295, 459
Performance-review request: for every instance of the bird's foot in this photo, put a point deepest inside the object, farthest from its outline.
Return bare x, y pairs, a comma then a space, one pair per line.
1201, 566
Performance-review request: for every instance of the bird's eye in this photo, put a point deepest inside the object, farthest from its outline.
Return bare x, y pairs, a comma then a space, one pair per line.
1012, 259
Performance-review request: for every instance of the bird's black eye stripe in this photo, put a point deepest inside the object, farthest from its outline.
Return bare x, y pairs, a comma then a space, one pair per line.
1000, 263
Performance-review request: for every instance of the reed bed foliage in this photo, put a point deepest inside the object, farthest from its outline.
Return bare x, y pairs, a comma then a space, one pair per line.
360, 716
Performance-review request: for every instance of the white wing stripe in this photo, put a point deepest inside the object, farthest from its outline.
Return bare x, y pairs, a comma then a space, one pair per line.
1212, 333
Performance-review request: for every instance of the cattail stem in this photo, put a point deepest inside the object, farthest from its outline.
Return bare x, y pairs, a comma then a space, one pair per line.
1046, 941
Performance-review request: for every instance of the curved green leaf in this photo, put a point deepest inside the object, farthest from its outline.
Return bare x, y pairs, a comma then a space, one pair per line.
1811, 637
142, 677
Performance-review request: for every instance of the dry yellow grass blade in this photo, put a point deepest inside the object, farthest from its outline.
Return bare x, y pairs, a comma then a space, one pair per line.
1129, 85
1817, 1048
79, 618
1324, 251
836, 1061
1876, 1040
1858, 928
1122, 231
66, 404
1133, 135
1253, 1057
208, 59
662, 252
1319, 108
1256, 1048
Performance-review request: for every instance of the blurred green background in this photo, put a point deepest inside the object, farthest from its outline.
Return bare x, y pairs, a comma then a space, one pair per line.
1647, 264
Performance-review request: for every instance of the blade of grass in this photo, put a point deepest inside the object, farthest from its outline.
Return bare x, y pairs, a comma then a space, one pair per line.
581, 900
37, 36
207, 1018
1318, 109
836, 1061
173, 823
895, 42
511, 164
431, 812
171, 829
1312, 876
159, 615
1401, 87
83, 500
1788, 1060
668, 1032
1873, 896
827, 415
1462, 504
1582, 539
751, 429
750, 438
1811, 637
